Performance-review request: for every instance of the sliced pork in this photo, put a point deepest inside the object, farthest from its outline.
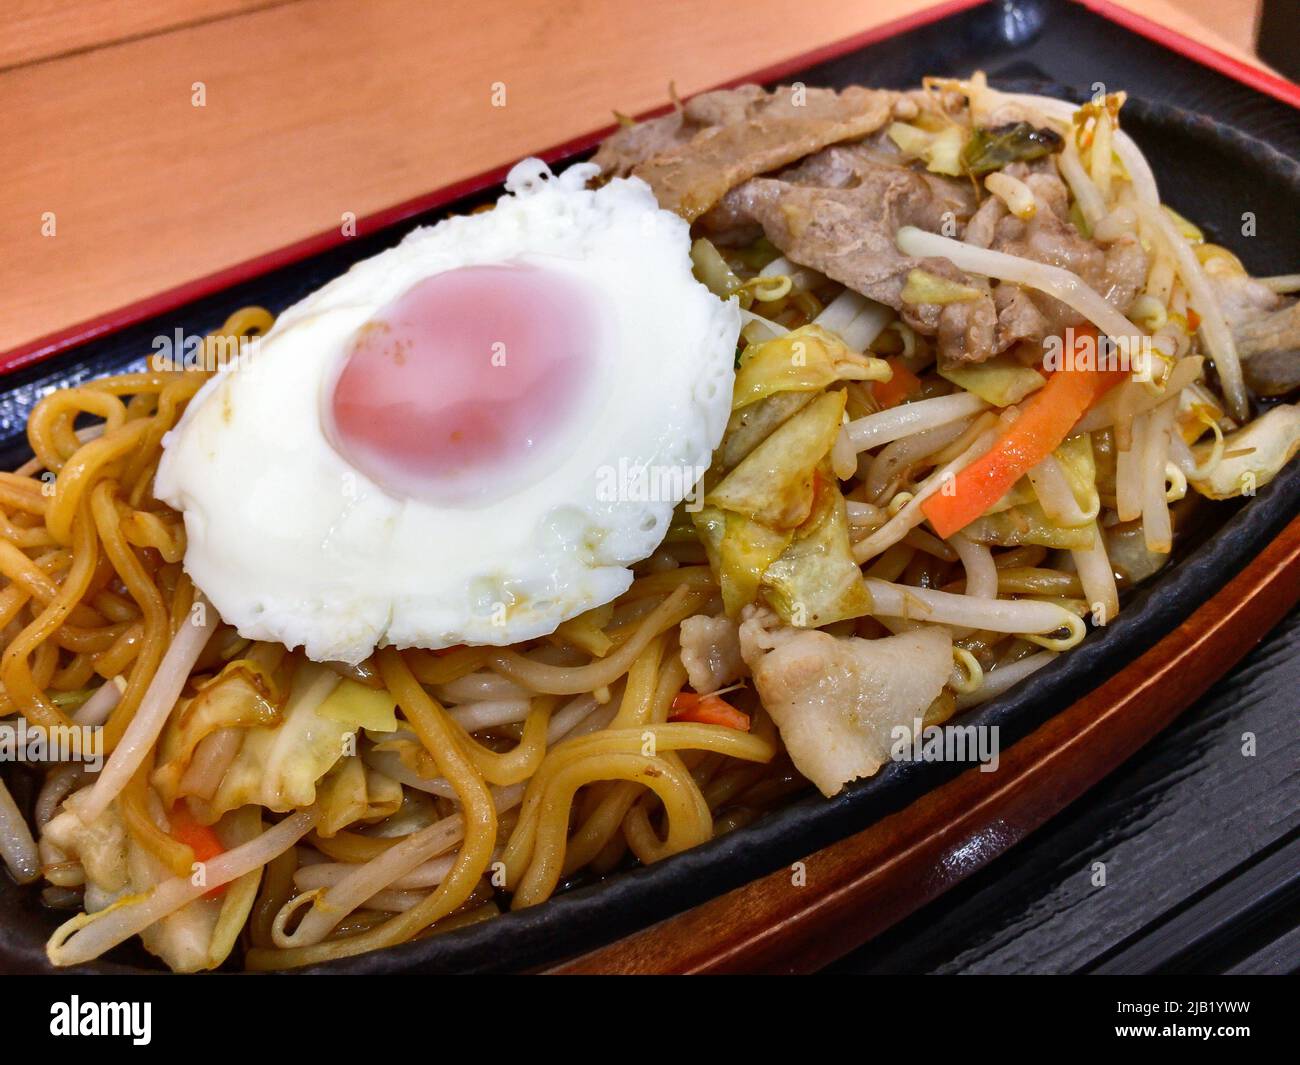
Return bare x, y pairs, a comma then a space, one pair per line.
1116, 270
847, 232
836, 700
694, 157
711, 652
1270, 349
635, 143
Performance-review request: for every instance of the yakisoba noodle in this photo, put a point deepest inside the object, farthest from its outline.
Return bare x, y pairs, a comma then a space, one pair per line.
95, 581
477, 778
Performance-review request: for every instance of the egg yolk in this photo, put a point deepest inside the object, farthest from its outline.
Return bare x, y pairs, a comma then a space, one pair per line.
457, 389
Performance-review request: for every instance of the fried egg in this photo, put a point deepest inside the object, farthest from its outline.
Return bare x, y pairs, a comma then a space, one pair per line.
452, 442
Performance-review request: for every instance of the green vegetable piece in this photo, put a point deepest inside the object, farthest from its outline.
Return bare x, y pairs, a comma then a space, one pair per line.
991, 149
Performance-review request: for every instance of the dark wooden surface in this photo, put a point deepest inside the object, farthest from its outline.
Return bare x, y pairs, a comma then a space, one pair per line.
1199, 844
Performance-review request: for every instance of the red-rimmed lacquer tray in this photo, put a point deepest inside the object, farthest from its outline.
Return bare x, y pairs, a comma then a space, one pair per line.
1223, 139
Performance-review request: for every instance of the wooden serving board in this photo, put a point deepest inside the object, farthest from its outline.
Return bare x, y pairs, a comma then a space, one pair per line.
855, 889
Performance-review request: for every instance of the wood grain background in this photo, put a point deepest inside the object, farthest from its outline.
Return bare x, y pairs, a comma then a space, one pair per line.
314, 108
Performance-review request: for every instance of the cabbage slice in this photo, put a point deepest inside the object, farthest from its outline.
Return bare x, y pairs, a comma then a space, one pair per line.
1000, 381
243, 695
939, 149
354, 704
816, 581
1026, 524
1079, 465
773, 484
352, 792
278, 766
1252, 456
740, 550
924, 287
804, 360
711, 270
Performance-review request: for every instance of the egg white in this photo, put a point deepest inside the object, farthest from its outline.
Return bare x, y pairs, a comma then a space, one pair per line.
293, 544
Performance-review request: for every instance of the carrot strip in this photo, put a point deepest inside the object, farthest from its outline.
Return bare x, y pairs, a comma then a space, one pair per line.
903, 385
1045, 420
708, 710
201, 839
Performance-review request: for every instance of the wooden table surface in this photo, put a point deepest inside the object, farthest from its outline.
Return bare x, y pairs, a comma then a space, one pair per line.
149, 143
